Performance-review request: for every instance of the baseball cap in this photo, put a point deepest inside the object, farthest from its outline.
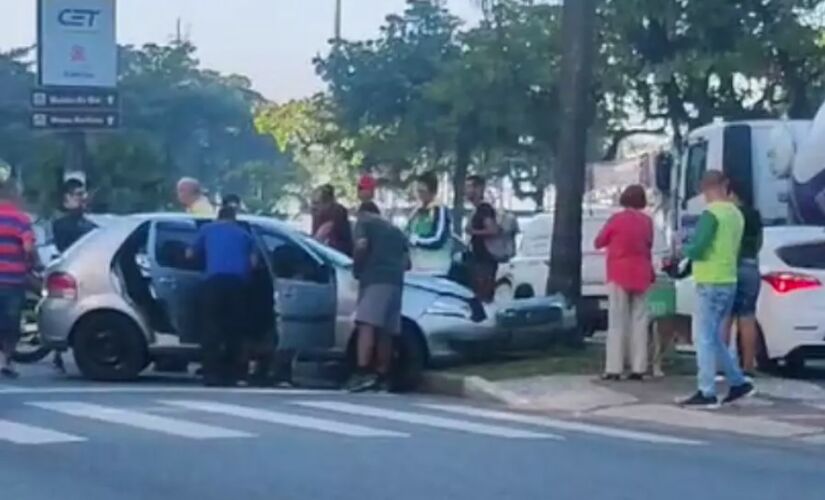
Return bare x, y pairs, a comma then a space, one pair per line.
367, 183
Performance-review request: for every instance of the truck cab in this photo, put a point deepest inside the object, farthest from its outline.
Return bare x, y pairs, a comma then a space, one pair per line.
758, 158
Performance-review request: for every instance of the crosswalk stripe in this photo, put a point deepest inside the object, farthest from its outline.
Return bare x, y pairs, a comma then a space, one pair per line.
287, 419
145, 421
28, 434
562, 424
426, 420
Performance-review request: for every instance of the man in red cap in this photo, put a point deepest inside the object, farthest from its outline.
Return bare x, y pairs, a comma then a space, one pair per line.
366, 193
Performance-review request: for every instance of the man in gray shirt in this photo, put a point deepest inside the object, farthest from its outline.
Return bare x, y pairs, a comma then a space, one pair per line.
381, 258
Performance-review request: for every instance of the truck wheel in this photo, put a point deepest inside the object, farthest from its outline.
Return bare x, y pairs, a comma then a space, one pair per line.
524, 292
409, 361
109, 347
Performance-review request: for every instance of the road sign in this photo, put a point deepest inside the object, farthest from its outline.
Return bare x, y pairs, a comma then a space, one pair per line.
75, 120
88, 98
76, 43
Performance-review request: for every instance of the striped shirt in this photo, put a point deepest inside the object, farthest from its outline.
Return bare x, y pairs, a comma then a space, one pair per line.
16, 235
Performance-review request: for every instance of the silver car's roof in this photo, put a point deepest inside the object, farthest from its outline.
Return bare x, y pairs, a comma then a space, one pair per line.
255, 219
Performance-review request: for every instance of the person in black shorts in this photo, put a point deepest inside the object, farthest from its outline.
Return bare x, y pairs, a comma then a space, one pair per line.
749, 282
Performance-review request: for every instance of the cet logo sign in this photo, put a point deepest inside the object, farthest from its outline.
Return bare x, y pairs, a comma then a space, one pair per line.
78, 18
76, 45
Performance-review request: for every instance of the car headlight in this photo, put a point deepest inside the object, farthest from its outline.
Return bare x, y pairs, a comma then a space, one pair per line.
450, 307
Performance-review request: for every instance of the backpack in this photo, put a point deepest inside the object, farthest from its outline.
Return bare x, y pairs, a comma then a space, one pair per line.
503, 245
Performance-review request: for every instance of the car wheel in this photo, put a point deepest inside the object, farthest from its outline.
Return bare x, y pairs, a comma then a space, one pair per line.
524, 292
794, 365
409, 361
109, 347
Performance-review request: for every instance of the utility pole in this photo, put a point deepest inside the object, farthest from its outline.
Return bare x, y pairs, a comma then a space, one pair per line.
578, 33
338, 16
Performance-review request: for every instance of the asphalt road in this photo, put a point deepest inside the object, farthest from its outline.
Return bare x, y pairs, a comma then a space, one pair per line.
163, 439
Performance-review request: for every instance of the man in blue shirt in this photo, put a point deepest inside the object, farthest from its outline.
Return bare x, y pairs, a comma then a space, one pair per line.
229, 253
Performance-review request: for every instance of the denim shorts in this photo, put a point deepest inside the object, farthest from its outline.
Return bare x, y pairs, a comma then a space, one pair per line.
749, 282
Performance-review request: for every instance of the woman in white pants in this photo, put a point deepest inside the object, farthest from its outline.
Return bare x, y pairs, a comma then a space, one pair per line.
628, 238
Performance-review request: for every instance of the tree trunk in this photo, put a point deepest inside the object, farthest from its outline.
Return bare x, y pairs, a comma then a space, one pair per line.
578, 31
462, 165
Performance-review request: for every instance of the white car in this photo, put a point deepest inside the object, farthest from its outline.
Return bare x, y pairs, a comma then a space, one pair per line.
791, 306
526, 275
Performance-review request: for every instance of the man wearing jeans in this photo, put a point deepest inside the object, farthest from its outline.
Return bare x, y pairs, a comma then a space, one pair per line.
714, 252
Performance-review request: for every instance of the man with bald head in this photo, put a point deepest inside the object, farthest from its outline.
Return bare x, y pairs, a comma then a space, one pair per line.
191, 197
714, 251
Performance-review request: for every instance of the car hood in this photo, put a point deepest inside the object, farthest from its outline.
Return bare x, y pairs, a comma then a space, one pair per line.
438, 285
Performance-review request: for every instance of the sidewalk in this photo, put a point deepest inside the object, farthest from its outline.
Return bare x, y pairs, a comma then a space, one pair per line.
783, 408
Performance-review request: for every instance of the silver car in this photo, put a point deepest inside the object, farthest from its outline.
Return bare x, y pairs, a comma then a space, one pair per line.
124, 295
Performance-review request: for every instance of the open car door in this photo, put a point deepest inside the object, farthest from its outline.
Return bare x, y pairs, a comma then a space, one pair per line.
305, 294
175, 278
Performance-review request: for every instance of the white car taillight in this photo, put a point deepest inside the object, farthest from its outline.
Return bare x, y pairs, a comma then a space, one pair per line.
788, 282
61, 286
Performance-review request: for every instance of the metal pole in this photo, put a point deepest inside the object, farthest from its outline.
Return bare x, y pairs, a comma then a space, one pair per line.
76, 156
338, 15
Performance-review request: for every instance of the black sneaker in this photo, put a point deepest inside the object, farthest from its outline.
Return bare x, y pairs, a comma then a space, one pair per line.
745, 390
362, 383
699, 400
636, 377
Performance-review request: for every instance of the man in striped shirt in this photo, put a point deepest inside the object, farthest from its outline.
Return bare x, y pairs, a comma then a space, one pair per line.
16, 258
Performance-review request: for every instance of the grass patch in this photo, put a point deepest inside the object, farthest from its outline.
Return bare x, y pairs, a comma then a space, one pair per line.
560, 360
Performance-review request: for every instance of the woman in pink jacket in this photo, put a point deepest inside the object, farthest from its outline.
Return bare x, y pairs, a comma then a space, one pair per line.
628, 238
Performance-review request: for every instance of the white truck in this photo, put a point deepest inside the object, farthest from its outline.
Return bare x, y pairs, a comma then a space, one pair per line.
779, 167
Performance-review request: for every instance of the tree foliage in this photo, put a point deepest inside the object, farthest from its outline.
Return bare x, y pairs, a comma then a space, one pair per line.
178, 119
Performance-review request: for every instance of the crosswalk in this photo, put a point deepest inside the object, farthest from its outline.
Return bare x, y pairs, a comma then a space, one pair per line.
56, 422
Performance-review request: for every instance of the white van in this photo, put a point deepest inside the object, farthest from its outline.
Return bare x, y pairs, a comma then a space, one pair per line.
526, 275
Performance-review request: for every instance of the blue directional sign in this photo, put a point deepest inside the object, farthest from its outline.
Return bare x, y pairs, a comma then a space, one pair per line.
75, 120
87, 98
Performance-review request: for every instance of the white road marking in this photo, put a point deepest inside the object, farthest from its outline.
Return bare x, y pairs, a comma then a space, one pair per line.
563, 424
28, 434
287, 419
707, 421
114, 389
426, 420
146, 421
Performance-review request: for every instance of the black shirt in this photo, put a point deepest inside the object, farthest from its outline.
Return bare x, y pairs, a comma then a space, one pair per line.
483, 212
69, 228
369, 206
752, 234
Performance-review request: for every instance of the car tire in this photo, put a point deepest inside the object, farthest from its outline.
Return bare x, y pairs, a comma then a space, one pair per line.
794, 365
524, 291
409, 361
109, 347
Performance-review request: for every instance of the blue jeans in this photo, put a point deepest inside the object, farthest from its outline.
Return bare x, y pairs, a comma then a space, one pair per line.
714, 303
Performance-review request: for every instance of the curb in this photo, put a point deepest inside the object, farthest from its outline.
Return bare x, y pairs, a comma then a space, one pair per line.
469, 387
